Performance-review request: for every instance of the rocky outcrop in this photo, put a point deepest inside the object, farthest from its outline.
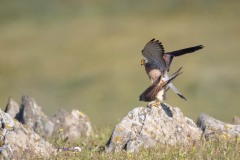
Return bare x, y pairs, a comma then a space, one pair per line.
214, 129
31, 114
146, 127
21, 142
73, 125
12, 107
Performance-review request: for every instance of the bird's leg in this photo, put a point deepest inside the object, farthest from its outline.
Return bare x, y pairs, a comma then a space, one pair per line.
155, 104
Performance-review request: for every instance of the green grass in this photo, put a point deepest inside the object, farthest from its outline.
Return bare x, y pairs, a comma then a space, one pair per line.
86, 55
93, 148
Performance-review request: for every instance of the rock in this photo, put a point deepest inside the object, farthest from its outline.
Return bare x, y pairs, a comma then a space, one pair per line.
214, 129
31, 114
48, 129
21, 142
73, 125
236, 120
12, 107
146, 127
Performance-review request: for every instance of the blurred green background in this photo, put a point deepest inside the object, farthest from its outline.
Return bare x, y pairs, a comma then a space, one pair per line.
86, 54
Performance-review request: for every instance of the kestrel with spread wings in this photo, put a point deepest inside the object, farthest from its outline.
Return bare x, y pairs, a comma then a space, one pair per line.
157, 63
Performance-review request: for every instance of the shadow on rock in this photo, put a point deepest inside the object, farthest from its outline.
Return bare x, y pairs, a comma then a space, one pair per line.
147, 127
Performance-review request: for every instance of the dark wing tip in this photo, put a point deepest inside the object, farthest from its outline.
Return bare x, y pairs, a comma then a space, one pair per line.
159, 44
153, 51
152, 40
181, 96
200, 46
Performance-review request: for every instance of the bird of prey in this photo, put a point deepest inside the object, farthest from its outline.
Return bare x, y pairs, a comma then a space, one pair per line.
157, 63
157, 90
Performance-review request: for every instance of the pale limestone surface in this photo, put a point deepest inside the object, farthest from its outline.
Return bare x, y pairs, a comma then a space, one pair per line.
21, 142
73, 125
214, 129
146, 127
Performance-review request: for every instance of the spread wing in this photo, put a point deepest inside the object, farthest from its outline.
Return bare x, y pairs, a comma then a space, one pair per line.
153, 52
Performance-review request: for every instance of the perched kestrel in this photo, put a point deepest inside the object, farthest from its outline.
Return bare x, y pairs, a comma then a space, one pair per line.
157, 63
157, 90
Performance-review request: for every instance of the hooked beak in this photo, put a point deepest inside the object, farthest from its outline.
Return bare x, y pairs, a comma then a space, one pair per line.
142, 62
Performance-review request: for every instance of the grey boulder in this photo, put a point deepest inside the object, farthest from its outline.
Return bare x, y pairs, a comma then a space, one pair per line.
214, 129
147, 127
74, 124
12, 108
31, 114
21, 142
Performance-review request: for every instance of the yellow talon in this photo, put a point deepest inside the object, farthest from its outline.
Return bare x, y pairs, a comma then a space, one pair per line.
155, 104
